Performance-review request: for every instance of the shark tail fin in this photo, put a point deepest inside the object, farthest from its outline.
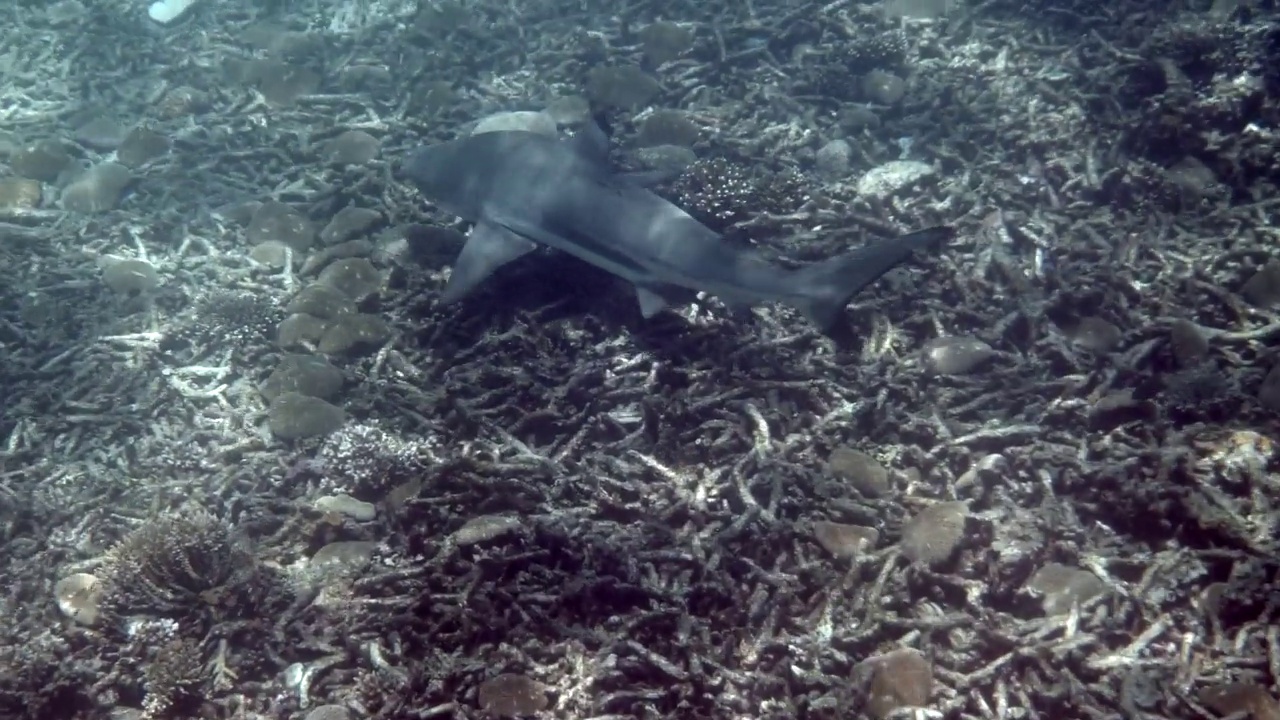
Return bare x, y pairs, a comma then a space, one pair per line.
825, 288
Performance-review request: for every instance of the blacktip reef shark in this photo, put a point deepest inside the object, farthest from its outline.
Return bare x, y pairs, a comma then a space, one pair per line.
525, 189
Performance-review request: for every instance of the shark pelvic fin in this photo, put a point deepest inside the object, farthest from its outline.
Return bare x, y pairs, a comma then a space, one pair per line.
651, 303
656, 298
488, 248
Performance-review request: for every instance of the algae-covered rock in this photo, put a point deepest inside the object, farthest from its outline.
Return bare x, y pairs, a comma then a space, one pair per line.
44, 161
100, 133
317, 261
357, 332
353, 147
956, 355
304, 374
1062, 586
347, 223
623, 86
300, 331
279, 222
512, 695
860, 470
347, 506
293, 416
321, 301
356, 278
130, 276
141, 146
665, 41
97, 189
933, 534
901, 678
668, 127
272, 253
834, 159
845, 541
282, 83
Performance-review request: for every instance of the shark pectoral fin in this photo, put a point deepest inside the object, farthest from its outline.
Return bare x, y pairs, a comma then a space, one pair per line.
488, 248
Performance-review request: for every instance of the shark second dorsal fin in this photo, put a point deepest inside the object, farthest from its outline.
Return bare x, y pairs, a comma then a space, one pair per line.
488, 248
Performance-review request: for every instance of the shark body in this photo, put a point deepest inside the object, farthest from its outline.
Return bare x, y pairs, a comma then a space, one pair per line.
524, 189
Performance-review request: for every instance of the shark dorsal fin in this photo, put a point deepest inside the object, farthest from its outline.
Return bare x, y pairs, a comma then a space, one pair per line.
591, 141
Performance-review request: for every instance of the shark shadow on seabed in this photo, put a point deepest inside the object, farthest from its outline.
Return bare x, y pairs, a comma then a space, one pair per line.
550, 296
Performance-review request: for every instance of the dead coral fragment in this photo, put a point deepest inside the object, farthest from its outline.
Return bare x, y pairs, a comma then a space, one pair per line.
900, 678
77, 597
934, 533
844, 541
1061, 586
511, 695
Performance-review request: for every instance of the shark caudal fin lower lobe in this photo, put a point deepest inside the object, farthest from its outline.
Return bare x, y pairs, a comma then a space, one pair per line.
825, 288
